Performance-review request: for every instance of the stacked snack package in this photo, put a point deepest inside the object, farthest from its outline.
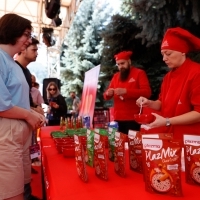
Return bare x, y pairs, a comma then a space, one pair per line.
104, 133
111, 143
100, 160
162, 158
90, 148
119, 154
135, 150
112, 128
80, 159
192, 159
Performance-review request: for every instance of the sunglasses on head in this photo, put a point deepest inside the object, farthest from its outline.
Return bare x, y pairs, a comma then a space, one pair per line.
54, 89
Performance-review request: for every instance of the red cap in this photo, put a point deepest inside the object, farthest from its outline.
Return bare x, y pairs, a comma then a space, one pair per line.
181, 40
124, 55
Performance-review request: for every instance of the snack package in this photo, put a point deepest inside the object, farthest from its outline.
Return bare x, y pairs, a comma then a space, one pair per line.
80, 159
103, 132
155, 135
162, 166
111, 143
100, 160
192, 159
90, 148
135, 150
119, 154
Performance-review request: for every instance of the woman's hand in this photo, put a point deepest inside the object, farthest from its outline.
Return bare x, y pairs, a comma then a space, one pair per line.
142, 101
55, 105
36, 120
159, 121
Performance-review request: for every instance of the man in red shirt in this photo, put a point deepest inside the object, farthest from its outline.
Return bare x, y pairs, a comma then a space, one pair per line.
179, 100
125, 88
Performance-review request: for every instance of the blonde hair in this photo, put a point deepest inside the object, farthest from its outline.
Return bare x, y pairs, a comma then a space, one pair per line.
57, 90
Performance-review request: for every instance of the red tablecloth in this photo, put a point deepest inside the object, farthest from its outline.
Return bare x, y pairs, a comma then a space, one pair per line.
62, 181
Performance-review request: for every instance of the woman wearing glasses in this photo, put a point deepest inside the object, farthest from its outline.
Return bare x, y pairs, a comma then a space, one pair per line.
17, 120
57, 105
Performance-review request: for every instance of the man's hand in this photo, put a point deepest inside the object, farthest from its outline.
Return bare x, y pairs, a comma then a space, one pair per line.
110, 92
120, 91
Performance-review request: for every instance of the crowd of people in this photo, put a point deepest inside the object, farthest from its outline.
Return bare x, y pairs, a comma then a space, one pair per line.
177, 109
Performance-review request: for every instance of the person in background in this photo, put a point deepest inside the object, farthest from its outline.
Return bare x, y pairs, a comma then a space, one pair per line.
36, 85
75, 104
25, 57
17, 119
35, 93
125, 88
179, 100
57, 105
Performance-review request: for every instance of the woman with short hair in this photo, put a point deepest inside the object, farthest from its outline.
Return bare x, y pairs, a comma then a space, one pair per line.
179, 100
16, 118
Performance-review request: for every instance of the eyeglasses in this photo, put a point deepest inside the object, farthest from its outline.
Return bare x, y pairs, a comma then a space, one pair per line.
50, 89
28, 35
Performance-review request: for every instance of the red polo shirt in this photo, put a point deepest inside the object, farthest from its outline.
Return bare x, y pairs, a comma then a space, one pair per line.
137, 85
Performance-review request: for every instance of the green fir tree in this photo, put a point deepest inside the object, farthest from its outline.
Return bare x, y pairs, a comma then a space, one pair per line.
82, 46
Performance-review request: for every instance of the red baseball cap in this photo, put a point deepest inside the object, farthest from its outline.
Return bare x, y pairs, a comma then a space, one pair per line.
179, 39
124, 55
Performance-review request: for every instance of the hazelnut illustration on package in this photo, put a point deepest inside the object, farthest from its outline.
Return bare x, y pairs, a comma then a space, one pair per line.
192, 159
158, 136
162, 166
80, 159
111, 143
90, 148
135, 150
119, 154
100, 160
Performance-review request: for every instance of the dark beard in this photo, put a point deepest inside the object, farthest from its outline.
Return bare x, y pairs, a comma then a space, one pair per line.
124, 73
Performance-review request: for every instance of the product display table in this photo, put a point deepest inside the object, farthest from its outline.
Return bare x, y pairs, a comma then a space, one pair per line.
62, 181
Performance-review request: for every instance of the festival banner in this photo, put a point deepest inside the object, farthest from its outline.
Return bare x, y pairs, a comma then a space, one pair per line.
89, 93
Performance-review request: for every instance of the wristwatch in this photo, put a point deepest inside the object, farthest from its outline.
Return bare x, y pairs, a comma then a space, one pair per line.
167, 122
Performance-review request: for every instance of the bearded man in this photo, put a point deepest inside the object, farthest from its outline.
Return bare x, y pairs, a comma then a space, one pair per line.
125, 88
